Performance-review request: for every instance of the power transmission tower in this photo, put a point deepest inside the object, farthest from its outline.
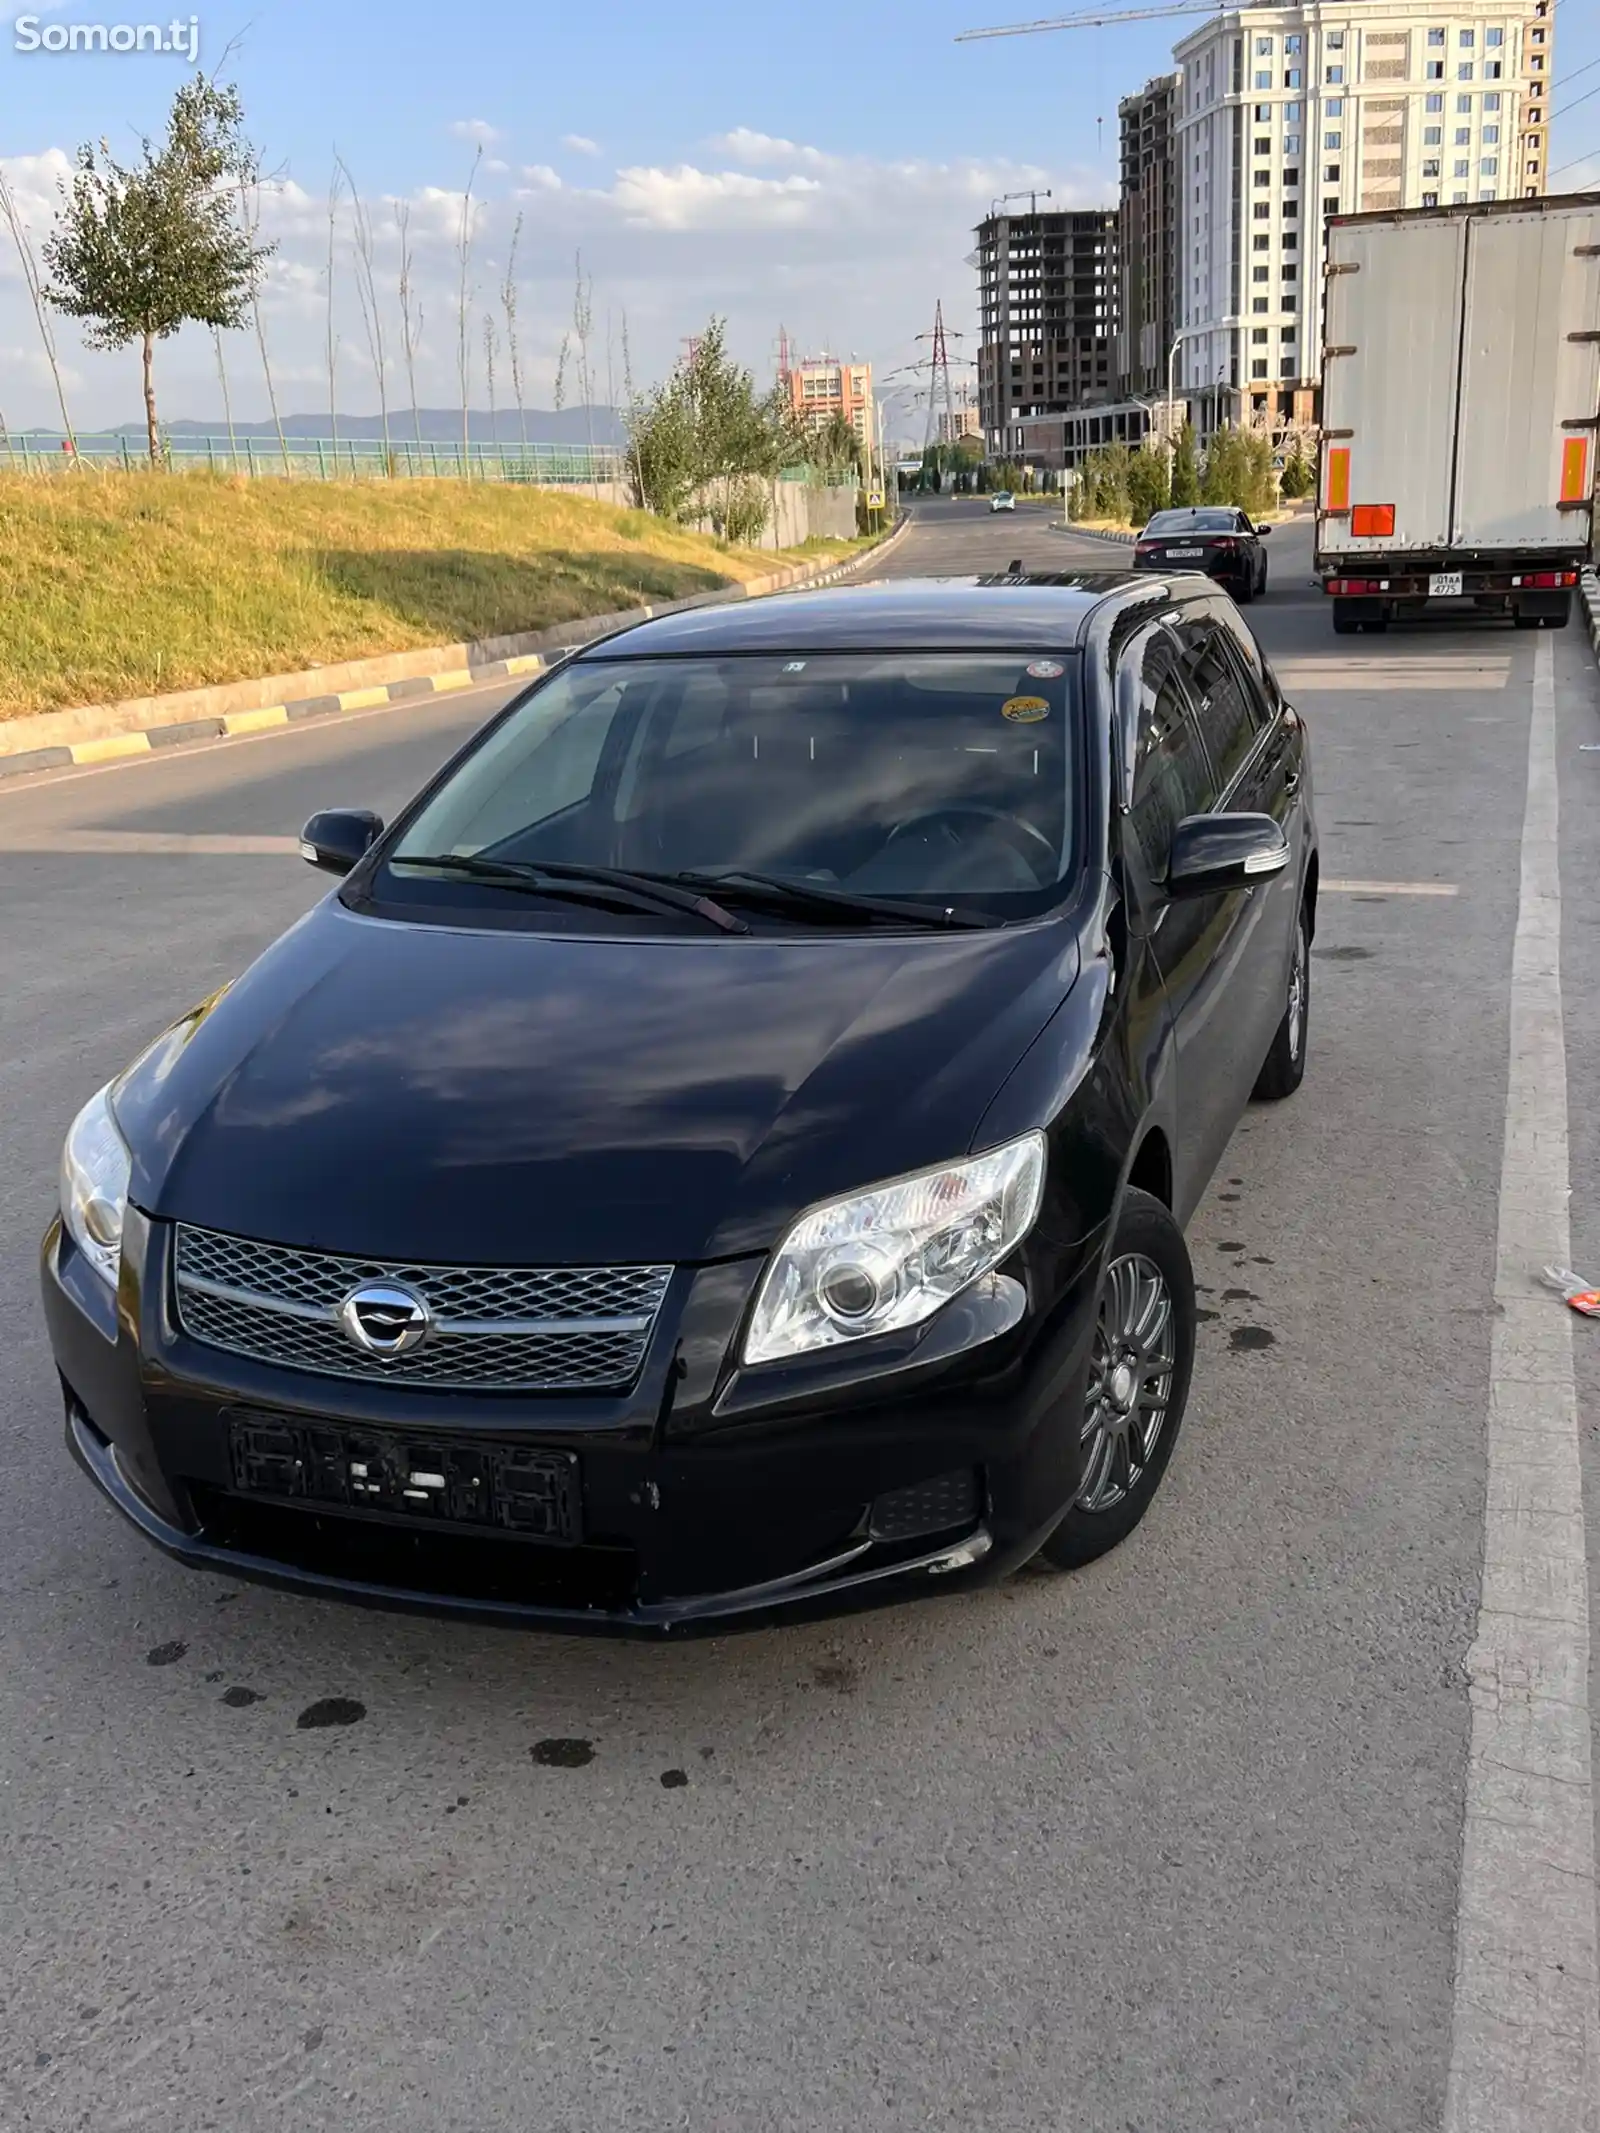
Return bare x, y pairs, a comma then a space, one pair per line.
939, 393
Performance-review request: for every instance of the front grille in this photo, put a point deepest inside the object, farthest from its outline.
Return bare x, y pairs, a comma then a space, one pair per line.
494, 1329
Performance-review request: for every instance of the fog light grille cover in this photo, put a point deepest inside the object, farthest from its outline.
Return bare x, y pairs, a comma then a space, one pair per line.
936, 1506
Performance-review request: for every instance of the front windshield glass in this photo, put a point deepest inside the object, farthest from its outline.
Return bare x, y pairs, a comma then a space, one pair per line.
902, 775
1216, 520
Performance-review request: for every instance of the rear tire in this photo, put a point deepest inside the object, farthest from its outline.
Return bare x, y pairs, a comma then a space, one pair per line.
1246, 593
1344, 625
1284, 1067
1136, 1385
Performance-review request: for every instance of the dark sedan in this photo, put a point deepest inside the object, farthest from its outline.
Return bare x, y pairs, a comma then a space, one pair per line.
726, 1147
1217, 539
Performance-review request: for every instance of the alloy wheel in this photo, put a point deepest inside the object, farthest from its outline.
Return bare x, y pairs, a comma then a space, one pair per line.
1297, 994
1130, 1381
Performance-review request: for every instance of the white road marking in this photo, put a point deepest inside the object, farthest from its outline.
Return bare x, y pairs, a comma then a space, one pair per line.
1525, 2044
1387, 888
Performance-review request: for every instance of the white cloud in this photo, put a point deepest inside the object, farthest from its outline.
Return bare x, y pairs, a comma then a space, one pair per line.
478, 130
845, 251
745, 146
580, 144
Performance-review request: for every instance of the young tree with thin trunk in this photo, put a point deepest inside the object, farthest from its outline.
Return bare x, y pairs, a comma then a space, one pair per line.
508, 297
463, 315
36, 296
410, 312
141, 250
367, 298
335, 188
250, 223
490, 346
227, 400
582, 325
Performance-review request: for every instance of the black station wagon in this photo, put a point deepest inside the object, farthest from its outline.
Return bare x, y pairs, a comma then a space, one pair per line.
726, 1147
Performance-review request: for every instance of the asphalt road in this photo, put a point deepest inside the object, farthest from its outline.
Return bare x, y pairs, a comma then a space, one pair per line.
1168, 1847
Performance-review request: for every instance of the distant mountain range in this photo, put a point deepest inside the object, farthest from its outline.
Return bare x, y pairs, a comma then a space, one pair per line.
439, 425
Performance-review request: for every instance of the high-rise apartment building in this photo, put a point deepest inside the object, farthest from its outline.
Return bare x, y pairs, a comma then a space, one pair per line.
823, 386
1146, 237
1047, 296
1286, 115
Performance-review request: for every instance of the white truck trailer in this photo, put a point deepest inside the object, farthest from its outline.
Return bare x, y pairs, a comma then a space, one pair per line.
1460, 399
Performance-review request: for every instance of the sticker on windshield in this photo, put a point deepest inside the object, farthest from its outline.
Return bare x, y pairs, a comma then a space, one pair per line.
1025, 710
794, 666
1046, 669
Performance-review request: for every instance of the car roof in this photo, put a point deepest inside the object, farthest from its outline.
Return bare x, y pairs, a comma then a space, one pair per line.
1003, 613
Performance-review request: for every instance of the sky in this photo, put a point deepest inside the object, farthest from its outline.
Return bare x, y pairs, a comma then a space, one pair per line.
816, 170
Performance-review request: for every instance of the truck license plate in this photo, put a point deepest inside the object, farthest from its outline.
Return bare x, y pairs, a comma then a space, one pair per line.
1445, 585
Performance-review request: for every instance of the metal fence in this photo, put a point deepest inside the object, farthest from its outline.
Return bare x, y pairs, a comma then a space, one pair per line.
329, 459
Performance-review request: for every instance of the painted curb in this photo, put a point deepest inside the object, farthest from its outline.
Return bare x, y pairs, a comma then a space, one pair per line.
411, 688
1091, 533
1589, 599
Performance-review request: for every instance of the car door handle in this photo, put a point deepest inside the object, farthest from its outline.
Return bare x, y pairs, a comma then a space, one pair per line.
1291, 781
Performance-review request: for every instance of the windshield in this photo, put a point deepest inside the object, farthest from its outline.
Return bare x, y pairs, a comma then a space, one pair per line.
933, 776
1200, 521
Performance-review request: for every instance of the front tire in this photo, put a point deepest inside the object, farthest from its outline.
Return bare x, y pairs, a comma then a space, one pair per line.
1137, 1383
1284, 1067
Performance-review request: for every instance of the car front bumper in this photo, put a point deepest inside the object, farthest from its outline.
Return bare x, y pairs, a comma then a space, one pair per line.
709, 1496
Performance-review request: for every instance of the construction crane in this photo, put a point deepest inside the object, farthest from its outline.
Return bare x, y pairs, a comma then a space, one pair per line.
1094, 19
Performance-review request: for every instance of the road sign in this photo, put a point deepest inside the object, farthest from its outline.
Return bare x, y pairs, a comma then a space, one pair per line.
874, 499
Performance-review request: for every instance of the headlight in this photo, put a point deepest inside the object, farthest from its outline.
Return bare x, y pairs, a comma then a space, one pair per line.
888, 1258
95, 1168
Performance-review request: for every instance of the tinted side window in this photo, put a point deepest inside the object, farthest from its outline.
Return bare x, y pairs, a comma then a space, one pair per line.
1229, 717
1170, 777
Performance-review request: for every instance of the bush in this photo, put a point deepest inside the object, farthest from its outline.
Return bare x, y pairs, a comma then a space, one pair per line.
1185, 473
1296, 479
1238, 470
1147, 485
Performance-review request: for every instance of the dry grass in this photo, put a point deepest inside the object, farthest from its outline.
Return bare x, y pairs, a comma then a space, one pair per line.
122, 585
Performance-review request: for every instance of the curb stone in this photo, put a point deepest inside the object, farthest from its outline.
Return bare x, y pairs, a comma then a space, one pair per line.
508, 658
1589, 601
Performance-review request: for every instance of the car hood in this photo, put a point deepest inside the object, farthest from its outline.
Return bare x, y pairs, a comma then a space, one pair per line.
416, 1092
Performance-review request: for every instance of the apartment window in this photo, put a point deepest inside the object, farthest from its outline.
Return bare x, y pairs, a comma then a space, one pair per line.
1532, 167
1433, 69
1291, 178
1263, 177
1488, 166
1333, 140
1464, 71
1262, 210
1461, 168
1286, 334
1333, 107
1294, 44
1263, 114
1492, 70
1260, 273
1458, 199
1536, 61
1463, 136
1330, 204
1259, 303
1534, 113
1291, 114
1435, 103
1430, 199
1487, 193
1263, 243
1536, 36
1430, 167
1330, 173
1258, 369
1264, 146
1258, 336
1334, 75
1263, 79
1467, 39
1463, 106
1492, 102
1335, 40
1432, 136
1291, 77
1436, 37
1263, 47
1491, 136
1291, 144
1291, 272
1499, 36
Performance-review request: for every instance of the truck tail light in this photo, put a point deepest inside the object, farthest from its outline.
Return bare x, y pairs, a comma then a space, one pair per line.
1546, 580
1369, 522
1335, 587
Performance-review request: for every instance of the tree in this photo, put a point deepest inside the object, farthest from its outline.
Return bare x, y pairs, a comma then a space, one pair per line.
410, 314
508, 297
371, 309
704, 441
1147, 486
140, 251
1238, 471
1185, 473
11, 215
463, 304
1296, 478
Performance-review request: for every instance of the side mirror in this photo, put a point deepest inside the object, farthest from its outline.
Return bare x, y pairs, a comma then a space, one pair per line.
1212, 854
1263, 531
338, 837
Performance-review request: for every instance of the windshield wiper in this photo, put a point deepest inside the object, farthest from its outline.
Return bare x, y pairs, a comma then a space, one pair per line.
582, 884
780, 893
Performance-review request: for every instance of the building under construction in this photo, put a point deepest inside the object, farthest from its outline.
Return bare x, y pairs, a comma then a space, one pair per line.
1048, 304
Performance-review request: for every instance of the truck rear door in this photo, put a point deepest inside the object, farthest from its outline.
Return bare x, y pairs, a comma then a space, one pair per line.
1530, 381
1391, 363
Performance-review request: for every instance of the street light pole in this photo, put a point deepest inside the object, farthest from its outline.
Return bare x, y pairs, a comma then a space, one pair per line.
1184, 333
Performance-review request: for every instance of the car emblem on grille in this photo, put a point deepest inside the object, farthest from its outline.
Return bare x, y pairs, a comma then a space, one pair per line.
381, 1318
